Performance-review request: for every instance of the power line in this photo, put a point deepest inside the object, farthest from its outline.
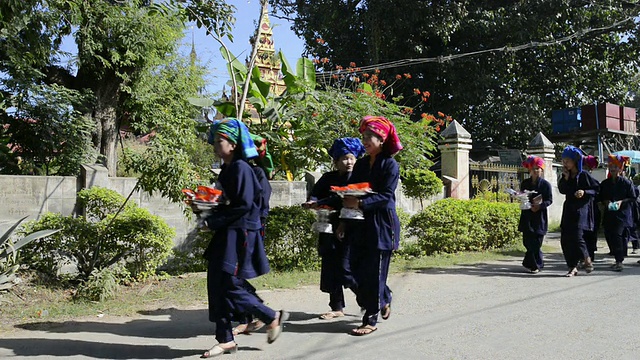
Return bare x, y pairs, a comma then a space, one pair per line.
442, 59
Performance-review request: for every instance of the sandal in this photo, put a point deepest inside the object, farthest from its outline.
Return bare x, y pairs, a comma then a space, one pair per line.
273, 333
363, 330
218, 350
588, 267
331, 314
386, 312
573, 272
240, 329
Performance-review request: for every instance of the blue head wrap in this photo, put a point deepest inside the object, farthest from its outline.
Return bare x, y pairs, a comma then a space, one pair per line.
344, 146
237, 132
574, 154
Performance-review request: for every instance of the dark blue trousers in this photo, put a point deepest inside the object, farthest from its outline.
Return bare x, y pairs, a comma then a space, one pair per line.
591, 240
533, 258
228, 295
574, 247
618, 237
336, 269
370, 269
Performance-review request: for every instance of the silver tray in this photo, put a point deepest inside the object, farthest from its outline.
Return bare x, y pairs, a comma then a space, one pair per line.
205, 205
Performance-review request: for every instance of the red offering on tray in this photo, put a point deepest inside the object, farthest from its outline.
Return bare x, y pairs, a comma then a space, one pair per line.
364, 187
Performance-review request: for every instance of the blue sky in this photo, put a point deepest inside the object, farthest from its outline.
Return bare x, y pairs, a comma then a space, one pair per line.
247, 14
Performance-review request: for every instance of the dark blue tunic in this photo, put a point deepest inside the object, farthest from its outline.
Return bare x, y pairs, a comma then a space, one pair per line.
236, 247
623, 189
381, 223
536, 222
266, 193
578, 213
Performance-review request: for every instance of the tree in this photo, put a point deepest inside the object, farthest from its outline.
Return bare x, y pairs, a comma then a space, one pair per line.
505, 95
118, 43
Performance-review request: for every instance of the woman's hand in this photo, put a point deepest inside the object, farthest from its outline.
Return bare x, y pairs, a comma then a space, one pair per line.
565, 173
340, 231
579, 194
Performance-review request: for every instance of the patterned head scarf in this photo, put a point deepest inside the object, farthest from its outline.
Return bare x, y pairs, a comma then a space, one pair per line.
620, 161
382, 127
590, 161
533, 161
264, 159
236, 132
574, 154
346, 146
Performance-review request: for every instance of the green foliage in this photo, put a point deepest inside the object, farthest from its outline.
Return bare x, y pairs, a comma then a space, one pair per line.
420, 183
452, 225
289, 241
9, 252
135, 237
101, 285
189, 256
504, 96
494, 196
46, 131
336, 113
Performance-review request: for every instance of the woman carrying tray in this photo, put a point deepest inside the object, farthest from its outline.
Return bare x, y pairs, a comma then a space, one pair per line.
534, 222
374, 239
235, 253
335, 272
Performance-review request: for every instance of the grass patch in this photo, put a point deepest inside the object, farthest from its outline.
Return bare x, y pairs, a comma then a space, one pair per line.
29, 302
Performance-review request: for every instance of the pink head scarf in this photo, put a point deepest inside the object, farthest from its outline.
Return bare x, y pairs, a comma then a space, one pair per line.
382, 127
533, 161
590, 161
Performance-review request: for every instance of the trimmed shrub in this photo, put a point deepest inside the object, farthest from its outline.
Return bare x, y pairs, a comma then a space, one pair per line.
452, 225
136, 238
289, 241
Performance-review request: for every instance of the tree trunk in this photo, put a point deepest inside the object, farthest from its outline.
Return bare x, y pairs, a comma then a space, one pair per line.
105, 117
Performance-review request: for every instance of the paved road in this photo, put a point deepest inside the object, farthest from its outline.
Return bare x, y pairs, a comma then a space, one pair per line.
486, 311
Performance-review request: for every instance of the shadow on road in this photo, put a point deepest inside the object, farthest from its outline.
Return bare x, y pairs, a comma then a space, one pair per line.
97, 350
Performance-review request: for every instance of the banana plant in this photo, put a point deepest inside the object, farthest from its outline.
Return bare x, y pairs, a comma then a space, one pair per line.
9, 253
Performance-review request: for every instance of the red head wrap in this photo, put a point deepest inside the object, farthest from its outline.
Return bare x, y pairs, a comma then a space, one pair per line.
533, 161
382, 127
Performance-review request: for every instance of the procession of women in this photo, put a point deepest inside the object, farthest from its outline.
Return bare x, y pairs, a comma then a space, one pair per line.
358, 227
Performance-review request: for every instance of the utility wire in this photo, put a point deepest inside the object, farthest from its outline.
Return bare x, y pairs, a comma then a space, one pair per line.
442, 59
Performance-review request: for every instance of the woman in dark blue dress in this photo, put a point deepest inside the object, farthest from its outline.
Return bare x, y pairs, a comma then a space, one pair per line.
534, 221
580, 189
335, 272
374, 239
618, 195
236, 252
262, 166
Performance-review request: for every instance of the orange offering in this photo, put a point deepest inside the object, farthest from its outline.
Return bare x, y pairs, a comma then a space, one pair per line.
206, 193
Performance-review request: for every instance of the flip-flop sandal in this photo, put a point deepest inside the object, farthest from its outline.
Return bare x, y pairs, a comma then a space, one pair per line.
331, 314
273, 334
386, 312
571, 273
368, 330
255, 325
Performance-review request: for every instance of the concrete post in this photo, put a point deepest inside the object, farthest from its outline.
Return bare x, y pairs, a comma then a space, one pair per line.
454, 148
541, 147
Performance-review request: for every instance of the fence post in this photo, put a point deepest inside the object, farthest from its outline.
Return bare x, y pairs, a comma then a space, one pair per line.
542, 147
454, 147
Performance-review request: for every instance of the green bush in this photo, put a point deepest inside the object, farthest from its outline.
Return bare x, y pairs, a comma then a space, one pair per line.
189, 255
290, 243
420, 183
136, 238
494, 196
452, 225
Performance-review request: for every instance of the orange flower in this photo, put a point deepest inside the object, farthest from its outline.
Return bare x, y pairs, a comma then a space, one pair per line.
352, 64
424, 115
437, 128
365, 75
316, 61
377, 71
325, 60
334, 76
407, 75
356, 79
440, 114
416, 91
383, 83
338, 67
426, 93
398, 77
314, 114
